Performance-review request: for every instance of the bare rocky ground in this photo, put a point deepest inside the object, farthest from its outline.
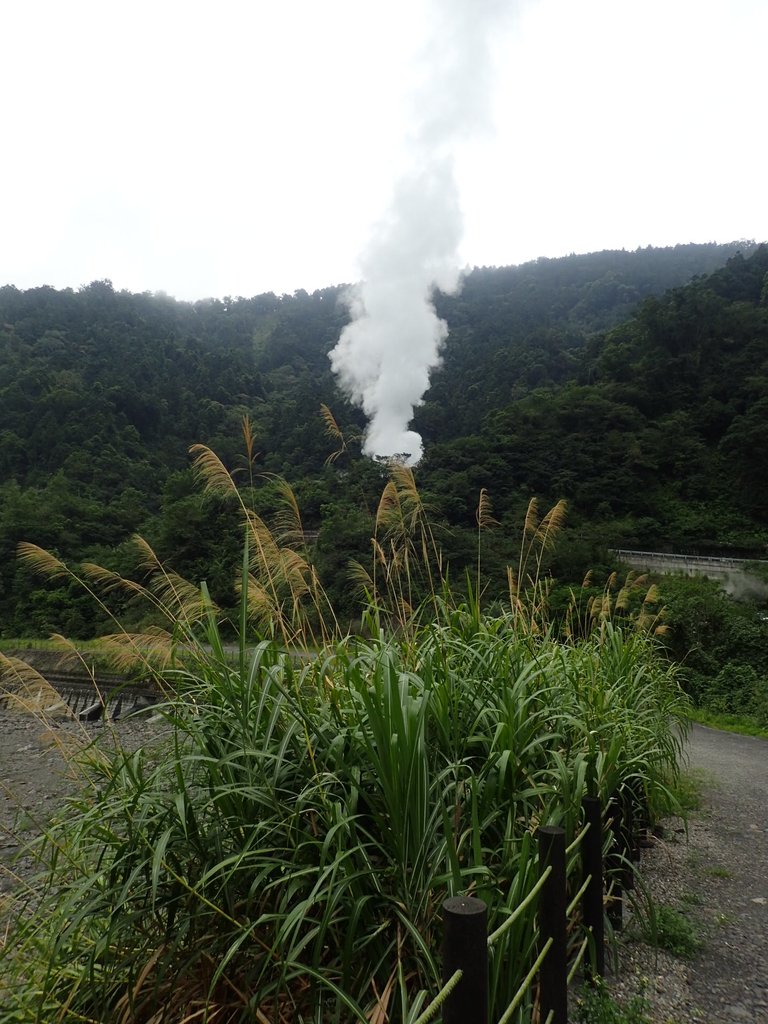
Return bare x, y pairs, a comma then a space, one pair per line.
37, 773
715, 872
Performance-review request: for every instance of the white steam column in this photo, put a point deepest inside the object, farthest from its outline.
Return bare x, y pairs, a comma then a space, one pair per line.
384, 356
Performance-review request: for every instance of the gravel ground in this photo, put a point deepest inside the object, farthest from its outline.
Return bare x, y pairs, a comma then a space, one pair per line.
716, 873
717, 876
35, 775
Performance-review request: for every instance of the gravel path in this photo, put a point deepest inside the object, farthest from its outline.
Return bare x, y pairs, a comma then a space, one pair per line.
717, 877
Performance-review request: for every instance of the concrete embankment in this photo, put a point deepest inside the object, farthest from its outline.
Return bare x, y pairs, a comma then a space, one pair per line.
734, 574
84, 683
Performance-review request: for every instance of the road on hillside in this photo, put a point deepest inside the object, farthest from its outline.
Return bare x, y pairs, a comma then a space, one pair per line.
730, 975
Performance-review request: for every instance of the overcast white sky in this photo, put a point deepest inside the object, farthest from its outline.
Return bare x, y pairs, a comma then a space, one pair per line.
235, 147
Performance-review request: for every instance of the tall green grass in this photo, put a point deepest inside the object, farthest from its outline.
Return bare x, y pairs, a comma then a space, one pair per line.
283, 852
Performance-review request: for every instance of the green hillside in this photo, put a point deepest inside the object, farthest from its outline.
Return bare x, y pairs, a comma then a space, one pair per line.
581, 378
655, 429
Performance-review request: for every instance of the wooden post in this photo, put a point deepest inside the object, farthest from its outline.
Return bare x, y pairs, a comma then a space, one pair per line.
642, 816
614, 872
592, 901
553, 974
631, 849
465, 948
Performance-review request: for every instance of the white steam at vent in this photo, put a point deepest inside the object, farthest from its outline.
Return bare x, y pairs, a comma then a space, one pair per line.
384, 356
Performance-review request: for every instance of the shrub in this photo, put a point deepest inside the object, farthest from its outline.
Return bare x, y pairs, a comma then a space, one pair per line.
285, 852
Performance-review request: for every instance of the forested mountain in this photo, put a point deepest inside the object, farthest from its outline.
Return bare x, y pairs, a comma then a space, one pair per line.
575, 378
657, 429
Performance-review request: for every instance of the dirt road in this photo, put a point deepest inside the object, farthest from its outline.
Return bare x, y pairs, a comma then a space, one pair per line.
730, 859
714, 872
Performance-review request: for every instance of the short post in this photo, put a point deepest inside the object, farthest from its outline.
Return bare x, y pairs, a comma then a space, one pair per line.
553, 974
614, 866
592, 901
465, 948
631, 848
642, 815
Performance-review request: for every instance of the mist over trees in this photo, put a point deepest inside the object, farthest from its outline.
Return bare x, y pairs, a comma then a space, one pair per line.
582, 378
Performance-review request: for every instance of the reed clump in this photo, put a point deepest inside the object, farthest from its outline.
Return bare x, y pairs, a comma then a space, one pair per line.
284, 855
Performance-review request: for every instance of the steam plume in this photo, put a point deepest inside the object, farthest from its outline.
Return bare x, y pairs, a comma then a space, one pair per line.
384, 356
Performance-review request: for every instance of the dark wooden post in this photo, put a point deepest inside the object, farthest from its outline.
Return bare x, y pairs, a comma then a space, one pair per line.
645, 819
465, 948
592, 902
631, 848
614, 872
553, 974
642, 818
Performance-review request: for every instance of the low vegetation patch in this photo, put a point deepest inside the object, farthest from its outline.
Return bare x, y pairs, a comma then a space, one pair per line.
284, 856
742, 724
670, 929
597, 1006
